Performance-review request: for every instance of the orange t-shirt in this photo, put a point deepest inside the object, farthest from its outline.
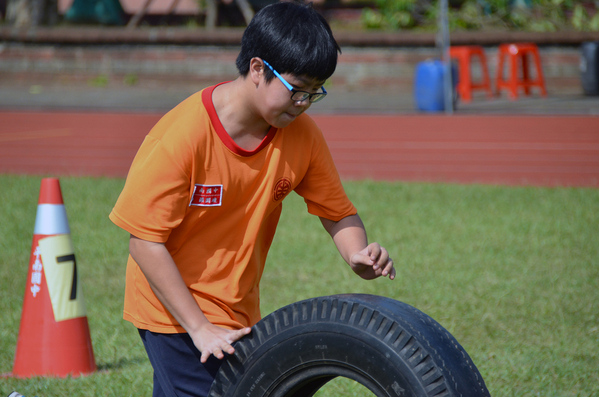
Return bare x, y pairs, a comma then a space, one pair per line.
216, 207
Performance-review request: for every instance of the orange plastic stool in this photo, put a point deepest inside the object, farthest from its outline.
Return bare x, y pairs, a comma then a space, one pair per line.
464, 55
518, 53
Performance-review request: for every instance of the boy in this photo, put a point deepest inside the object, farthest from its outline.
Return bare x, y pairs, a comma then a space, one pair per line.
203, 198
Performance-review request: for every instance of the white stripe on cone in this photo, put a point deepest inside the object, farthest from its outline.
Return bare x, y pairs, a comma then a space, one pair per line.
51, 219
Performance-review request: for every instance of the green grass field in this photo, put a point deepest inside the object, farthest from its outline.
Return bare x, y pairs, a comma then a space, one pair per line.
512, 273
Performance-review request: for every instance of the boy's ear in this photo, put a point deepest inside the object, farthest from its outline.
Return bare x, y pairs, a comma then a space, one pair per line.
256, 70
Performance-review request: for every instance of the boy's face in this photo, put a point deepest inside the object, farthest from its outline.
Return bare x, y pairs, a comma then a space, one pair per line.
278, 109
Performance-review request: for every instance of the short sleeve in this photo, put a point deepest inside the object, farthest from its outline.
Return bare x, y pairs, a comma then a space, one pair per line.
156, 194
321, 186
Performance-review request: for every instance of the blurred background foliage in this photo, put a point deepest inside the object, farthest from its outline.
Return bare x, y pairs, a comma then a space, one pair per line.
526, 15
521, 15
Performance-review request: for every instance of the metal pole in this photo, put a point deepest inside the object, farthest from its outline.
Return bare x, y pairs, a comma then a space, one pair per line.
443, 43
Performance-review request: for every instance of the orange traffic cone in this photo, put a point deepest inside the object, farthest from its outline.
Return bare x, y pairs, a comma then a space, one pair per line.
54, 337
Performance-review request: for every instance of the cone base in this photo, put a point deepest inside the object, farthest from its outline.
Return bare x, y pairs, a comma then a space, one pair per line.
65, 349
71, 375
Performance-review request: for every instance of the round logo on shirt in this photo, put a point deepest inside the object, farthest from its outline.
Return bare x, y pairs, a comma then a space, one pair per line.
282, 187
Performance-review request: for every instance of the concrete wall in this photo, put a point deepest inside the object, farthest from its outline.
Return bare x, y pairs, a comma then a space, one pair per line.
358, 68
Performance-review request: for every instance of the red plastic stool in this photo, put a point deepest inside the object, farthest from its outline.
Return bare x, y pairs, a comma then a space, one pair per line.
464, 55
515, 53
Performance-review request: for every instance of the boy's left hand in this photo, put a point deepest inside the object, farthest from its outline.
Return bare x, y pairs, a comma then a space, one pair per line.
372, 262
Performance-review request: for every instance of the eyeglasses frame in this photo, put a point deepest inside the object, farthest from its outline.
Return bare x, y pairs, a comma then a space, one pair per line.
318, 95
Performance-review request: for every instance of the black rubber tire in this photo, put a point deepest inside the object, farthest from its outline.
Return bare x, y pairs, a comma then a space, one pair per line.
389, 347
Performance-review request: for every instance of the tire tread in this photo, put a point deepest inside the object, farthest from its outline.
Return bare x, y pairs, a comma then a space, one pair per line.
402, 328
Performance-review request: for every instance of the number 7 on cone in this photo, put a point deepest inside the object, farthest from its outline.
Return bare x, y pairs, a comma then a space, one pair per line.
60, 268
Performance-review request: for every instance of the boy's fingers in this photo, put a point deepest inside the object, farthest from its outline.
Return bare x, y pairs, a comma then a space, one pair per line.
205, 355
361, 259
245, 331
381, 260
223, 343
240, 333
375, 251
216, 352
375, 257
226, 349
389, 270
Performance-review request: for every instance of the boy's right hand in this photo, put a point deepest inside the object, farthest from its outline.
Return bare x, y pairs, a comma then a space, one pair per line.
212, 339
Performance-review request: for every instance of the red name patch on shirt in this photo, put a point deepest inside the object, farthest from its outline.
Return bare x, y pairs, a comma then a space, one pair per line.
207, 195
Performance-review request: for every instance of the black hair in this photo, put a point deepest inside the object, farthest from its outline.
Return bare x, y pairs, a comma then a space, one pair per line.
293, 38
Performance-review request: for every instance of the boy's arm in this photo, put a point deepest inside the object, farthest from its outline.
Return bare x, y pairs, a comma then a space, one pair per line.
369, 261
165, 279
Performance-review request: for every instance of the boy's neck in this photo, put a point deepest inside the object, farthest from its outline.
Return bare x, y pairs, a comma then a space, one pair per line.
232, 102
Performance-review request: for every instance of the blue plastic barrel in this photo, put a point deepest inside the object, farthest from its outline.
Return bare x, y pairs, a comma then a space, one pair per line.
428, 85
589, 67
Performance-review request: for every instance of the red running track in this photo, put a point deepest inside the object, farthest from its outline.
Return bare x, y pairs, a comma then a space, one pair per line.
505, 150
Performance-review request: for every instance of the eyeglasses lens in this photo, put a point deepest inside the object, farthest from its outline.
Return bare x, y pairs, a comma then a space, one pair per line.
317, 97
302, 96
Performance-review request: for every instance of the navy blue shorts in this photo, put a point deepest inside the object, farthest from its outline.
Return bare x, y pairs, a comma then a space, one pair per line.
177, 367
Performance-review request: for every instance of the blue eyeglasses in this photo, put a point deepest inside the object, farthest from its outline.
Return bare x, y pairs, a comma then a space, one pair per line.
296, 95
